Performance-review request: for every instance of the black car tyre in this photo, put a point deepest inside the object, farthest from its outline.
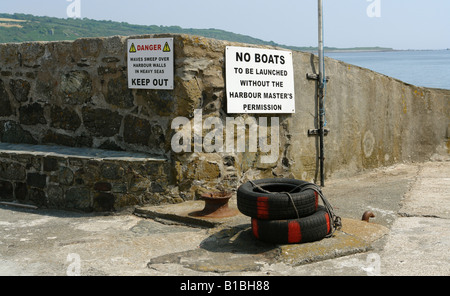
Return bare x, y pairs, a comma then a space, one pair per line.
293, 231
276, 199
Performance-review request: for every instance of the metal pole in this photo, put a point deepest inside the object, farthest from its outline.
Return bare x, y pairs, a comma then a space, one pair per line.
321, 93
321, 64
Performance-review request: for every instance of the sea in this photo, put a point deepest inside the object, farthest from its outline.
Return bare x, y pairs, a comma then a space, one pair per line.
427, 68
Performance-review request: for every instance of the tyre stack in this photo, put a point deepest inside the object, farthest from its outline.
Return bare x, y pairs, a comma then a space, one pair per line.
282, 211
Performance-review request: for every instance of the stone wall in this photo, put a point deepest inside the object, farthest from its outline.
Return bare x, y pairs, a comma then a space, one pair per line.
75, 94
82, 179
374, 120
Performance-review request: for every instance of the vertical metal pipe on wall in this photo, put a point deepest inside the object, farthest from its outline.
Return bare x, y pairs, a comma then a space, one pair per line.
321, 94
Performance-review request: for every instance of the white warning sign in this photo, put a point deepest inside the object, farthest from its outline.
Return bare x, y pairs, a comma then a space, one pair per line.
259, 80
151, 63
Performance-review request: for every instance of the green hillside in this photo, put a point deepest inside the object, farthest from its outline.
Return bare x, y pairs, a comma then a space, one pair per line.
26, 27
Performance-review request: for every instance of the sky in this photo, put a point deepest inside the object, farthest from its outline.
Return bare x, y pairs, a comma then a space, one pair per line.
398, 24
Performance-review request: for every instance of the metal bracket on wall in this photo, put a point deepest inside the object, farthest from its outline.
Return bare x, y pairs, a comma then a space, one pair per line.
315, 77
316, 132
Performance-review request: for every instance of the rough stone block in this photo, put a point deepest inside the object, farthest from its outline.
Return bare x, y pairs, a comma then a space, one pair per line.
84, 47
52, 137
110, 145
102, 186
20, 89
55, 198
6, 73
29, 161
156, 187
65, 176
36, 180
50, 164
64, 118
111, 171
118, 93
32, 114
153, 169
136, 130
110, 60
76, 86
12, 132
102, 70
31, 52
140, 184
104, 202
6, 190
21, 191
101, 122
78, 198
161, 103
157, 137
119, 188
12, 171
208, 171
5, 104
89, 174
44, 88
37, 196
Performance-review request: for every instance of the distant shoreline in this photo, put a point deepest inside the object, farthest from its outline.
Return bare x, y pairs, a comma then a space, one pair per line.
363, 49
359, 50
380, 50
344, 50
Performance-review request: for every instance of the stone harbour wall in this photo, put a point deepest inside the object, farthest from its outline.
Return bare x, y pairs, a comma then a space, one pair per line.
82, 179
75, 94
374, 120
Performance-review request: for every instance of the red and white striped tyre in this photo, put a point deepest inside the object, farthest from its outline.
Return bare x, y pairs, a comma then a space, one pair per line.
293, 231
255, 201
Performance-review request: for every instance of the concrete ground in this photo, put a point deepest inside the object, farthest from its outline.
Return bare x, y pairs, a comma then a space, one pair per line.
410, 235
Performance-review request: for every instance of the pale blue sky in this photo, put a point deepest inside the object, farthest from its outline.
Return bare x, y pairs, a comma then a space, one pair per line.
402, 24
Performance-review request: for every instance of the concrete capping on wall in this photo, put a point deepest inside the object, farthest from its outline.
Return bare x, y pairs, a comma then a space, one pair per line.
75, 94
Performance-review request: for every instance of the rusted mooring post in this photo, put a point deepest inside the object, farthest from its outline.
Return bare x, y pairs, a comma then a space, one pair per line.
216, 206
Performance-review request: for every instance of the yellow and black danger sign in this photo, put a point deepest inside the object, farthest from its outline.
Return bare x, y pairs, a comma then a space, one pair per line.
166, 47
132, 48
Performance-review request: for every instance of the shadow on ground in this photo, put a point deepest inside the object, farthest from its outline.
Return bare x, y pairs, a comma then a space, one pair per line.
230, 249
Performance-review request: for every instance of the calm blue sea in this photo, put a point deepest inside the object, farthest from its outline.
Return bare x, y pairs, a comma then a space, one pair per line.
421, 68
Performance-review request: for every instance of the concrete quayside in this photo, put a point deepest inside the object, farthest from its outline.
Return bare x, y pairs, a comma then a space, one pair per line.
408, 235
105, 193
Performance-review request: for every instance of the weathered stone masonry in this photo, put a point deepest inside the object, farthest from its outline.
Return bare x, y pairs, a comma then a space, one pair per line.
75, 95
81, 179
